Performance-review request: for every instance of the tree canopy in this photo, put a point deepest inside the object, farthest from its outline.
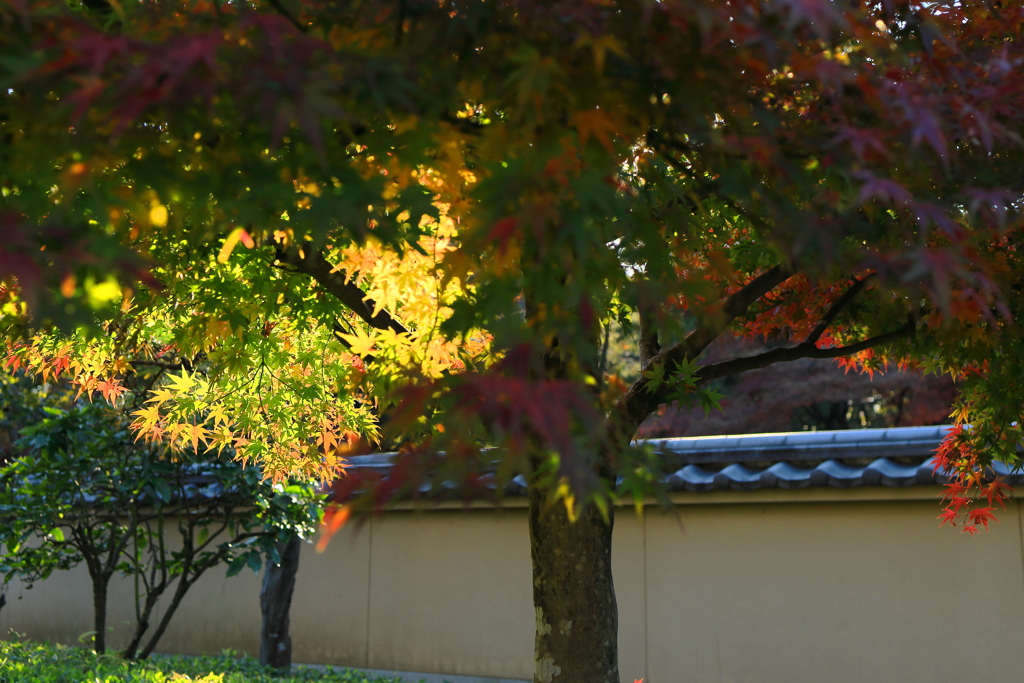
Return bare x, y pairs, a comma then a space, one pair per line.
410, 221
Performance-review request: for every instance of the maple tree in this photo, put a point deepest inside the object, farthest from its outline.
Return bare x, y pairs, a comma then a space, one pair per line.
409, 222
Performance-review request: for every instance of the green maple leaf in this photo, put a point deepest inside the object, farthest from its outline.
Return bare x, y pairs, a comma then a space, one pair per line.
655, 378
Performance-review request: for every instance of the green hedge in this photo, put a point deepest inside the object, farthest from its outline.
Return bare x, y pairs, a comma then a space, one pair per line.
21, 662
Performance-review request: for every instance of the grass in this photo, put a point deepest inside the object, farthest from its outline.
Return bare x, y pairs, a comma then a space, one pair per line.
24, 662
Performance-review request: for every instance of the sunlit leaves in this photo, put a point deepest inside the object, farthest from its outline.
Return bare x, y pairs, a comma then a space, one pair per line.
487, 177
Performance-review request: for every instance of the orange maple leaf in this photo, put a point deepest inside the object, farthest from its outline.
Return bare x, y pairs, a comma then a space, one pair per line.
334, 519
595, 122
111, 390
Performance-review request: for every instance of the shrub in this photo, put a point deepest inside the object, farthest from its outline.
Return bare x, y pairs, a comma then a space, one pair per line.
21, 662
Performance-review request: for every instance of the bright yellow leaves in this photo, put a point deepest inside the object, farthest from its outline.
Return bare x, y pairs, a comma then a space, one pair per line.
412, 287
234, 237
361, 342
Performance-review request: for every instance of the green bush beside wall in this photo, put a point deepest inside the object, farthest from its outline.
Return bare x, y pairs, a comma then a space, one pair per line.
27, 662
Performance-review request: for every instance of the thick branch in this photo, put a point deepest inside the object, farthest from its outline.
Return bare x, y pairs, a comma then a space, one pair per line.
833, 311
633, 408
319, 268
283, 11
804, 350
734, 306
649, 344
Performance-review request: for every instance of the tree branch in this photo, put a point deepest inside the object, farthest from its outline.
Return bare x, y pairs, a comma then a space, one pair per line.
804, 350
320, 269
634, 407
283, 11
833, 311
734, 306
649, 344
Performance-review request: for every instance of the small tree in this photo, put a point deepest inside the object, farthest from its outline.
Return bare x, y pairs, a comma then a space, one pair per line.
85, 491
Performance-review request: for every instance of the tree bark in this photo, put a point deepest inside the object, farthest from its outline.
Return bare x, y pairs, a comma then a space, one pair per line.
276, 602
573, 595
99, 607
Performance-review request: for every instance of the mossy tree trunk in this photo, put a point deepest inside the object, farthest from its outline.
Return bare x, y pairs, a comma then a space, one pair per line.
573, 594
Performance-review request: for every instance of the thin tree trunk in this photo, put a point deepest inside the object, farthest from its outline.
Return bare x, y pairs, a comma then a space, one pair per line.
276, 602
573, 595
179, 593
99, 607
142, 620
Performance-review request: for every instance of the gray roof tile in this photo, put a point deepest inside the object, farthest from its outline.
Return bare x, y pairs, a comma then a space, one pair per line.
902, 456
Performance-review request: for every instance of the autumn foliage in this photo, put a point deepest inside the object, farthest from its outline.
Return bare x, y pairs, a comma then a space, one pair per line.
411, 223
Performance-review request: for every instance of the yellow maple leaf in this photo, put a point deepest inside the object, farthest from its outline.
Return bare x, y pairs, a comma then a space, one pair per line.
181, 383
160, 396
217, 415
359, 343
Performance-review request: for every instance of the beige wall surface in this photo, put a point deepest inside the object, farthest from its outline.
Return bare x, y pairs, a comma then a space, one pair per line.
816, 593
772, 592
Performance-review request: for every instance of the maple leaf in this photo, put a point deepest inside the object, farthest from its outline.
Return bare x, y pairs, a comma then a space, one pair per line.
888, 191
181, 383
949, 516
595, 123
981, 516
194, 434
600, 46
160, 396
361, 343
146, 419
655, 377
994, 492
334, 519
217, 414
927, 126
111, 390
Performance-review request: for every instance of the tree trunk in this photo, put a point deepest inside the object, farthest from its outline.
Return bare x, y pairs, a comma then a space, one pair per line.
573, 595
142, 620
179, 592
275, 603
99, 610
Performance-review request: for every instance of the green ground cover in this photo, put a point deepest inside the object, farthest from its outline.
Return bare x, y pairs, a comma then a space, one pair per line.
24, 662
